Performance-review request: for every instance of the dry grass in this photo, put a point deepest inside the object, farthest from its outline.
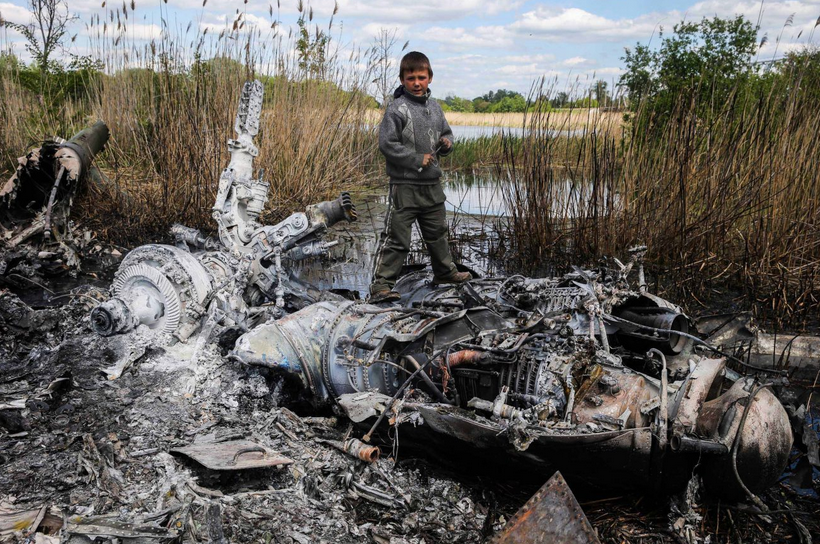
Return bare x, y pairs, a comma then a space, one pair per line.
559, 120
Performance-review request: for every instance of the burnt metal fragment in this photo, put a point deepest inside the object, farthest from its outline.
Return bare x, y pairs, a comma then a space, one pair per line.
37, 199
551, 515
211, 284
233, 455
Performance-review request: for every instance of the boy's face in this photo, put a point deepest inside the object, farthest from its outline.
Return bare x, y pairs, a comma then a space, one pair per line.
416, 81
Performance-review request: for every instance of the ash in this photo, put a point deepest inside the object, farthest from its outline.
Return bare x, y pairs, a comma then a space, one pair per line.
96, 449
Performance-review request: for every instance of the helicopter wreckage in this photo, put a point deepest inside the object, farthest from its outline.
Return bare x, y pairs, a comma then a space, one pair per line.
582, 372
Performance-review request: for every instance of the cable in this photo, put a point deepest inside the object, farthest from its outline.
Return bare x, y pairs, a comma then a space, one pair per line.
366, 438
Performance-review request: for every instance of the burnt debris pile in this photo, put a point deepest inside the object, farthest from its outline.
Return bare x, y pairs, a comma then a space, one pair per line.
212, 396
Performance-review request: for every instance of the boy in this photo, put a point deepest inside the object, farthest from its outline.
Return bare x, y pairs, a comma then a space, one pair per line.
411, 135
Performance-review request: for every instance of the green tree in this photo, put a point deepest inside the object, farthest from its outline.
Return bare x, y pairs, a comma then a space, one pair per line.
45, 33
560, 100
480, 105
486, 103
715, 54
601, 93
456, 103
311, 49
509, 104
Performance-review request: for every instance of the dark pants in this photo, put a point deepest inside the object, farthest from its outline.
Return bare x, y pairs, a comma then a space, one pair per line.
394, 240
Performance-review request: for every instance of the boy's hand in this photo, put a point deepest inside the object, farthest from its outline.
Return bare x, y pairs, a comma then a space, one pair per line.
444, 143
428, 158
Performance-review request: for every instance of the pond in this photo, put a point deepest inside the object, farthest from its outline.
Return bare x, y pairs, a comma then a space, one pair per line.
470, 132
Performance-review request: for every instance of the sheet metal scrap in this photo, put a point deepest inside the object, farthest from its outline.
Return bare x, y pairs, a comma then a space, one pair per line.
551, 515
44, 520
233, 455
92, 529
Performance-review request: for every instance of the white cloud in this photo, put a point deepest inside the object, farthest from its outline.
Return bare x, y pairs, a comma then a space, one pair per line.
218, 23
610, 71
389, 12
371, 30
14, 13
463, 39
577, 61
577, 25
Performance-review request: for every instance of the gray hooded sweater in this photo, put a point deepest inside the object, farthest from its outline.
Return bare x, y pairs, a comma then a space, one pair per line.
411, 127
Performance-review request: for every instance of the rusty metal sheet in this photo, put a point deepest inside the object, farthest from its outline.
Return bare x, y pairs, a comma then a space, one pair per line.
233, 455
551, 515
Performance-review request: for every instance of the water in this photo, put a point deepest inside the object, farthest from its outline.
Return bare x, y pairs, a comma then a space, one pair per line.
471, 132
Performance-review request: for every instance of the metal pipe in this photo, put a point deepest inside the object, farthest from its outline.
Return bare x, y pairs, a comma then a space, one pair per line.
686, 444
51, 198
366, 438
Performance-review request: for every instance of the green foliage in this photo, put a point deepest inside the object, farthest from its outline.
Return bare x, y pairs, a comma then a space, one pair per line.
480, 105
803, 67
311, 50
587, 102
601, 93
713, 55
560, 100
497, 96
509, 104
455, 103
500, 101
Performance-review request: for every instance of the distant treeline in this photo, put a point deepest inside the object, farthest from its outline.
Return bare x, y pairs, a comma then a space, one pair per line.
506, 101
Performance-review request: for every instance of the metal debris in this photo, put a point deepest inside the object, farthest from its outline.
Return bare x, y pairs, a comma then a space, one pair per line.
551, 515
233, 455
37, 198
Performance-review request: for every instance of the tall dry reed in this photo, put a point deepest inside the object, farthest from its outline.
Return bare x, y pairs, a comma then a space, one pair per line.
728, 203
170, 101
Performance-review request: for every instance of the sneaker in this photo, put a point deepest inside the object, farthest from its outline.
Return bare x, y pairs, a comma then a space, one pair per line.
385, 295
455, 277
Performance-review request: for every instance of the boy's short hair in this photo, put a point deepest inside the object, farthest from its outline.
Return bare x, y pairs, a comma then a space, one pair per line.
414, 61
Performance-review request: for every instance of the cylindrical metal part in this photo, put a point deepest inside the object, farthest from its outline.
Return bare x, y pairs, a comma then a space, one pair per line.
113, 317
356, 448
317, 343
764, 440
466, 357
685, 443
88, 142
657, 318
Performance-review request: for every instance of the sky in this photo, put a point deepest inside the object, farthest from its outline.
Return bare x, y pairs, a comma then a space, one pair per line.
474, 45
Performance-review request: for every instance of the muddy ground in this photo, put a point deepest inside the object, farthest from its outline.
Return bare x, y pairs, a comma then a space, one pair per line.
94, 450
